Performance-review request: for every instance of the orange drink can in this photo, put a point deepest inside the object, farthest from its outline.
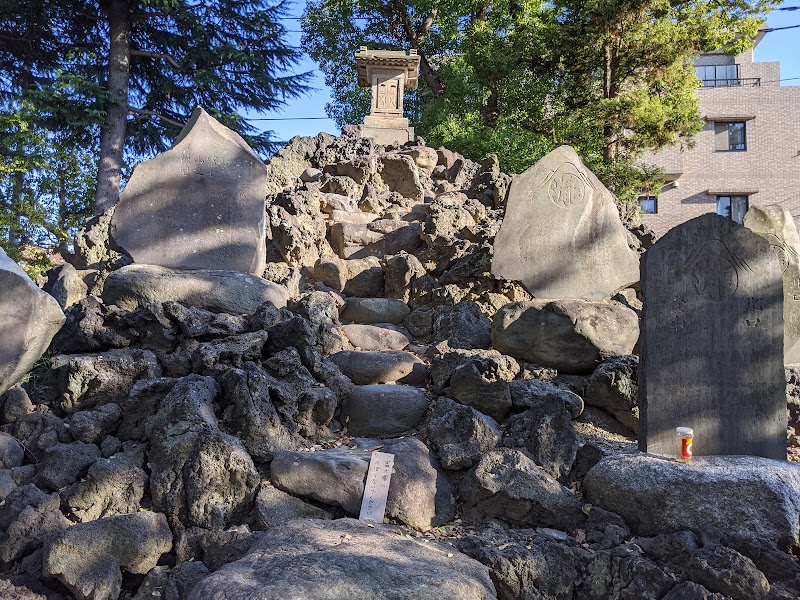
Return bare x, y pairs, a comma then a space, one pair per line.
685, 437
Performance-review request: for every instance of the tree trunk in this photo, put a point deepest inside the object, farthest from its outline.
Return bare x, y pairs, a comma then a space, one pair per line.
491, 110
611, 91
61, 233
415, 39
430, 76
15, 237
112, 136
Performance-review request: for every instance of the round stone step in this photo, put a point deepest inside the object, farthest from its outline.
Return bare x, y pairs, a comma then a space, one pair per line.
340, 216
375, 338
388, 366
384, 410
368, 311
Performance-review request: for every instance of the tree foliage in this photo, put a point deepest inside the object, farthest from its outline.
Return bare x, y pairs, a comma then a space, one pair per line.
614, 78
89, 84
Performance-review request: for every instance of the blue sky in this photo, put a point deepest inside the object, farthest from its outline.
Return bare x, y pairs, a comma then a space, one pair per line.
782, 46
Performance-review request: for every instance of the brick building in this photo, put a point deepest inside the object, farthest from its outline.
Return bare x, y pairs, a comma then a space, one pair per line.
747, 153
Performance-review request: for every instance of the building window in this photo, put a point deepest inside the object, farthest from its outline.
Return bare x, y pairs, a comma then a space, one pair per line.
719, 75
730, 136
732, 207
649, 204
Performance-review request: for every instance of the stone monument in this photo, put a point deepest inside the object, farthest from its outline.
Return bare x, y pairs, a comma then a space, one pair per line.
29, 318
775, 223
561, 235
387, 73
712, 342
200, 204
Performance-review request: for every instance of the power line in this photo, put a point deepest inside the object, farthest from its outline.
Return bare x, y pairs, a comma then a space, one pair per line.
290, 119
779, 80
770, 29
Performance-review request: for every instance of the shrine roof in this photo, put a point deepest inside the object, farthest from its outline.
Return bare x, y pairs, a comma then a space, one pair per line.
403, 60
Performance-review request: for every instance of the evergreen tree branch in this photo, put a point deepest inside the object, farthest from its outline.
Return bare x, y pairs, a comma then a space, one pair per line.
150, 113
161, 55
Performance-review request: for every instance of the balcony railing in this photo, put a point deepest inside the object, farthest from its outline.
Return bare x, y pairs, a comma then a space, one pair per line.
738, 82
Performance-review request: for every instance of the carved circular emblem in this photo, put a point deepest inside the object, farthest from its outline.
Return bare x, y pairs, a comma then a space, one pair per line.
780, 250
567, 186
713, 272
783, 256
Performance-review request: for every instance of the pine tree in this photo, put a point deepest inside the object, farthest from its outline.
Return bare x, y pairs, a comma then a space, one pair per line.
150, 62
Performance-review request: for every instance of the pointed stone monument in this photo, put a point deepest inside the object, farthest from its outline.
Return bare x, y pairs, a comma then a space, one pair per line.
388, 73
29, 318
200, 204
775, 223
561, 235
712, 342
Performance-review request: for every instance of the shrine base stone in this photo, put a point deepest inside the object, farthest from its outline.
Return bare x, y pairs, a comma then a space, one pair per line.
714, 495
218, 291
387, 135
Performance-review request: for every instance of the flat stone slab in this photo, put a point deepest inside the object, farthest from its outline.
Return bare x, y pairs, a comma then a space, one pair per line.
368, 311
346, 560
776, 224
573, 336
200, 204
384, 410
388, 366
419, 494
714, 495
231, 292
274, 507
372, 337
340, 216
335, 477
29, 318
712, 342
379, 238
356, 277
561, 235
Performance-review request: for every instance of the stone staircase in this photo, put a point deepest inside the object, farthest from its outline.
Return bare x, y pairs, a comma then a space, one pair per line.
388, 366
390, 377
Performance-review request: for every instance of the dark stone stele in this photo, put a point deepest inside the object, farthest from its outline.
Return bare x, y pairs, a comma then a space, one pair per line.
712, 342
200, 204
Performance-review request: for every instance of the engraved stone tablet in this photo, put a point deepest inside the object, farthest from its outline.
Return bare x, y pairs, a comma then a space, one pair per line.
775, 223
376, 490
561, 235
712, 342
29, 318
200, 204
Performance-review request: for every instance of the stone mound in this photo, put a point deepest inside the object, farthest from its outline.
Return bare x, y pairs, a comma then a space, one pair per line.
192, 416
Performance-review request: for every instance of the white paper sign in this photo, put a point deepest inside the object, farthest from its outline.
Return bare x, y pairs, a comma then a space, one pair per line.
376, 491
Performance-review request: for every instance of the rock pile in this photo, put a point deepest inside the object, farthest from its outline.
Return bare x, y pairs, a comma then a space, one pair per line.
183, 429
